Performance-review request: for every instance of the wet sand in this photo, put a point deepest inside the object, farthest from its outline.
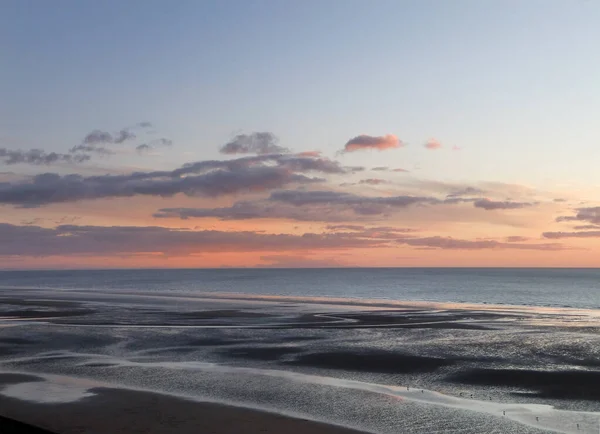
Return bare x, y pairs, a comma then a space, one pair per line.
125, 411
306, 358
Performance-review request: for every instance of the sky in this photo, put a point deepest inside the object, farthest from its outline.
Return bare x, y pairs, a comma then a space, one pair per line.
336, 133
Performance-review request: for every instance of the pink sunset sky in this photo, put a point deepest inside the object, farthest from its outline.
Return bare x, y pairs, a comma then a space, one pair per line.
199, 143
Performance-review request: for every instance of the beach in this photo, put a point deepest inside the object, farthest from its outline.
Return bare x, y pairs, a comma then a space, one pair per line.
127, 411
140, 361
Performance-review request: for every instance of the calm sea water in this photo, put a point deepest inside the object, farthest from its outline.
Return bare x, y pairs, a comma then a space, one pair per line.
578, 288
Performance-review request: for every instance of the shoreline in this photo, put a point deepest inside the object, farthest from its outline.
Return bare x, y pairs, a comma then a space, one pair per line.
358, 302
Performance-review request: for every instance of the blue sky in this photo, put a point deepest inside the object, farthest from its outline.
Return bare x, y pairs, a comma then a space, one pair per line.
512, 81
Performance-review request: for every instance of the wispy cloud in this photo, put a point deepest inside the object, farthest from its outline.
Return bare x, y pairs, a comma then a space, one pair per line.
68, 240
38, 157
373, 181
495, 205
466, 191
101, 142
153, 144
460, 244
583, 234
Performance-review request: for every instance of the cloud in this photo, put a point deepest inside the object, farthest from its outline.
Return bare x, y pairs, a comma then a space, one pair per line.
254, 143
432, 144
362, 142
153, 144
494, 205
99, 141
380, 169
314, 205
38, 157
296, 197
588, 214
448, 243
317, 205
466, 191
456, 148
205, 178
586, 227
583, 234
516, 239
123, 136
313, 154
69, 240
144, 147
373, 181
345, 227
399, 169
98, 137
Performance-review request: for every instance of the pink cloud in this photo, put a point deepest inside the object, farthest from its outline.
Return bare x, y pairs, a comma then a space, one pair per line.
389, 141
313, 154
433, 144
456, 148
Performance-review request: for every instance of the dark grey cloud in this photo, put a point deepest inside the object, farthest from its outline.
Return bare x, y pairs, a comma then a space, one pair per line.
380, 169
448, 243
205, 178
100, 142
586, 227
38, 157
87, 149
494, 205
289, 162
254, 143
69, 240
98, 137
583, 234
588, 214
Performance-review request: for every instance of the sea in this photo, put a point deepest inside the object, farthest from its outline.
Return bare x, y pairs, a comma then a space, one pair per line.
553, 287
